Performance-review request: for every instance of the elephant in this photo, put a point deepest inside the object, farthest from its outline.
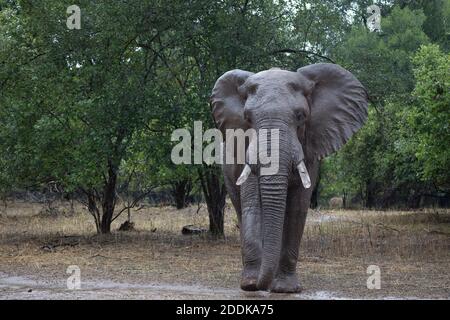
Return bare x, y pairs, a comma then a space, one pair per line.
316, 110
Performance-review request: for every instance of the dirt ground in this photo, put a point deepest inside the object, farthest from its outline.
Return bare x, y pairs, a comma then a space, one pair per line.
156, 261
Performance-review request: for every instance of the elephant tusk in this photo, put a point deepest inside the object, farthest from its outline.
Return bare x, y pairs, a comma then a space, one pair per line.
251, 158
244, 175
304, 175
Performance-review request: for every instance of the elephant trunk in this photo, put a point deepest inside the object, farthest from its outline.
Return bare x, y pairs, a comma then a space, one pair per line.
273, 199
273, 191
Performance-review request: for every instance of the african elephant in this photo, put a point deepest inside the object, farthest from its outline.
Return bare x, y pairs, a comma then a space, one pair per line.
316, 110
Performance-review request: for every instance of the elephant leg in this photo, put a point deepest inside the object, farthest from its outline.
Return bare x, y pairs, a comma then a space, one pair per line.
298, 201
230, 175
250, 229
286, 279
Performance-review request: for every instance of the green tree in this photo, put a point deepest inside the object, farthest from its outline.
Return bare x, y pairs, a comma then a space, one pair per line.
74, 99
429, 116
437, 22
374, 167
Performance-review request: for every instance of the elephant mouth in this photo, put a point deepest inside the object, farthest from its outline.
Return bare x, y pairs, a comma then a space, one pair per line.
252, 155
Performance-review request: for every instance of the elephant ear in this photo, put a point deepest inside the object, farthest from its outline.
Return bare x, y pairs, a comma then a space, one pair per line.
227, 104
338, 103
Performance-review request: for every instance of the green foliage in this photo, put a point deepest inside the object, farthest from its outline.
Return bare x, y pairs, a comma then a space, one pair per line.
400, 154
429, 118
77, 96
381, 60
437, 23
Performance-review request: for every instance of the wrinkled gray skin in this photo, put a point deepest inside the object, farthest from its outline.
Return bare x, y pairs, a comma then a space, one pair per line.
317, 109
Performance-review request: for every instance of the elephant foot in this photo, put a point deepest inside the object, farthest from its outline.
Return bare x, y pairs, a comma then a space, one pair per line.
248, 284
286, 284
249, 280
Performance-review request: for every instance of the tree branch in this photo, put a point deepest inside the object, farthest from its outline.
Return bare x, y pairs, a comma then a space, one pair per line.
287, 50
133, 204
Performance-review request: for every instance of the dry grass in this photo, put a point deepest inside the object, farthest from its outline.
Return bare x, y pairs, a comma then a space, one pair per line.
412, 249
394, 234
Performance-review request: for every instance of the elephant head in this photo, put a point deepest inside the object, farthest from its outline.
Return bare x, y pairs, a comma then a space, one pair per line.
316, 110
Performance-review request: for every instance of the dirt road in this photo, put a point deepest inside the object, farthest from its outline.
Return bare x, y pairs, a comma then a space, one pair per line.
15, 287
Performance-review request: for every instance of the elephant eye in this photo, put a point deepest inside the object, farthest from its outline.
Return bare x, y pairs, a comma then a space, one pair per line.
242, 92
300, 116
252, 89
294, 86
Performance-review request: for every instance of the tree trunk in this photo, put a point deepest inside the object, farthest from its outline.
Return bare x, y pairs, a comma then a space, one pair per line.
344, 199
370, 195
180, 191
93, 209
216, 220
215, 193
109, 199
